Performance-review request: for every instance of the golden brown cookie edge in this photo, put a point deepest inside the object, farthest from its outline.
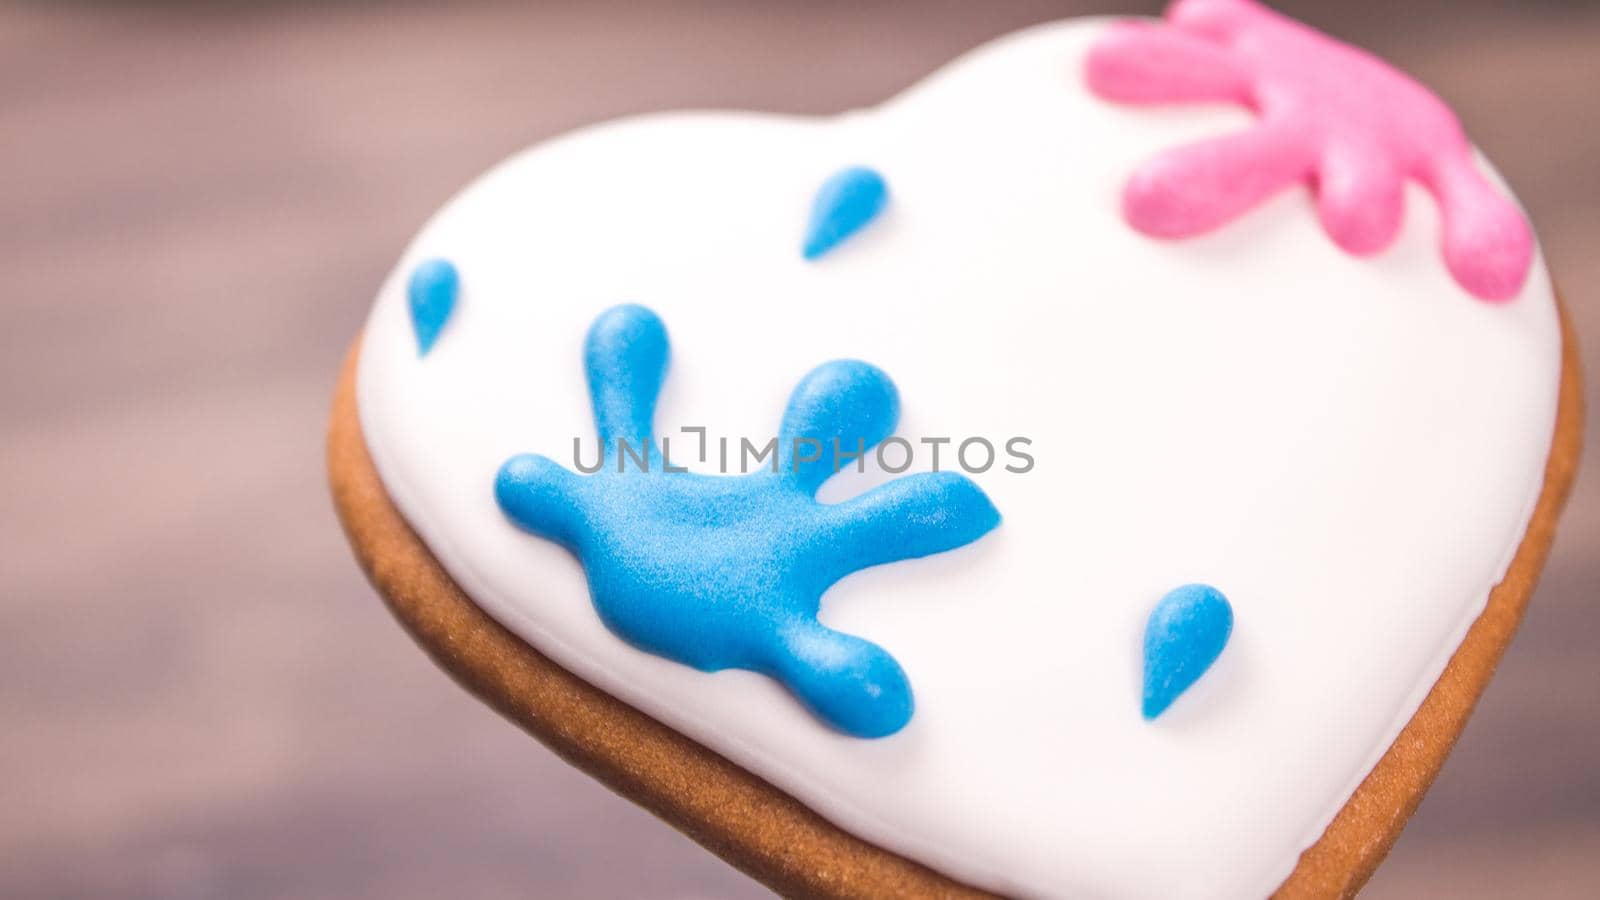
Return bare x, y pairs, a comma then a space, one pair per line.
773, 837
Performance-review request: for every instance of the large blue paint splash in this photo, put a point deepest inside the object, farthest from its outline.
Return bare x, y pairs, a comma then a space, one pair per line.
728, 572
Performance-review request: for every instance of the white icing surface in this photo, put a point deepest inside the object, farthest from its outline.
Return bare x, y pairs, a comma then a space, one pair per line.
1350, 449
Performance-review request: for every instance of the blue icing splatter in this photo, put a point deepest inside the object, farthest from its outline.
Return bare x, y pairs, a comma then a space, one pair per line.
1184, 636
845, 203
432, 292
728, 572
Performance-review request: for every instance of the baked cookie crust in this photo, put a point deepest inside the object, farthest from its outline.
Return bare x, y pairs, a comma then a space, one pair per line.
785, 845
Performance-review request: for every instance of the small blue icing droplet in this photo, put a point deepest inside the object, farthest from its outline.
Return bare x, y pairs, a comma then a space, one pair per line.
432, 292
845, 203
1185, 635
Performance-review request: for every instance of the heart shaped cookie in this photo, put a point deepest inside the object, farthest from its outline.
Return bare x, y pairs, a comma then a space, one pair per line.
1112, 467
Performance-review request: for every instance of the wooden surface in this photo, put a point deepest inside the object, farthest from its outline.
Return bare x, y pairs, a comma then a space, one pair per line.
200, 696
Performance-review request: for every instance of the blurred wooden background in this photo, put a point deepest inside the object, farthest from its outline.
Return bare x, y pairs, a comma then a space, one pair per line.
200, 696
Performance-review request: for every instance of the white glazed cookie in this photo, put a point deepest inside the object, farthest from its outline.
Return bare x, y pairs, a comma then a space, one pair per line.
1348, 447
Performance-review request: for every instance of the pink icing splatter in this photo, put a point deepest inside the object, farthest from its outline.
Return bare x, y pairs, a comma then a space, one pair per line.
1330, 114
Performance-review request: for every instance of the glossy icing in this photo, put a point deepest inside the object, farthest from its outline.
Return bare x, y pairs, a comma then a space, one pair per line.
1349, 124
728, 572
1347, 445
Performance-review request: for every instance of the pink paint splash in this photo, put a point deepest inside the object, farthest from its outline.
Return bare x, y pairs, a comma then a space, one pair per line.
1330, 114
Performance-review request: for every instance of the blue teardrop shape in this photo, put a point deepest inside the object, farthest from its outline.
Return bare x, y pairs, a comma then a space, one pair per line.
845, 203
432, 292
1184, 636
